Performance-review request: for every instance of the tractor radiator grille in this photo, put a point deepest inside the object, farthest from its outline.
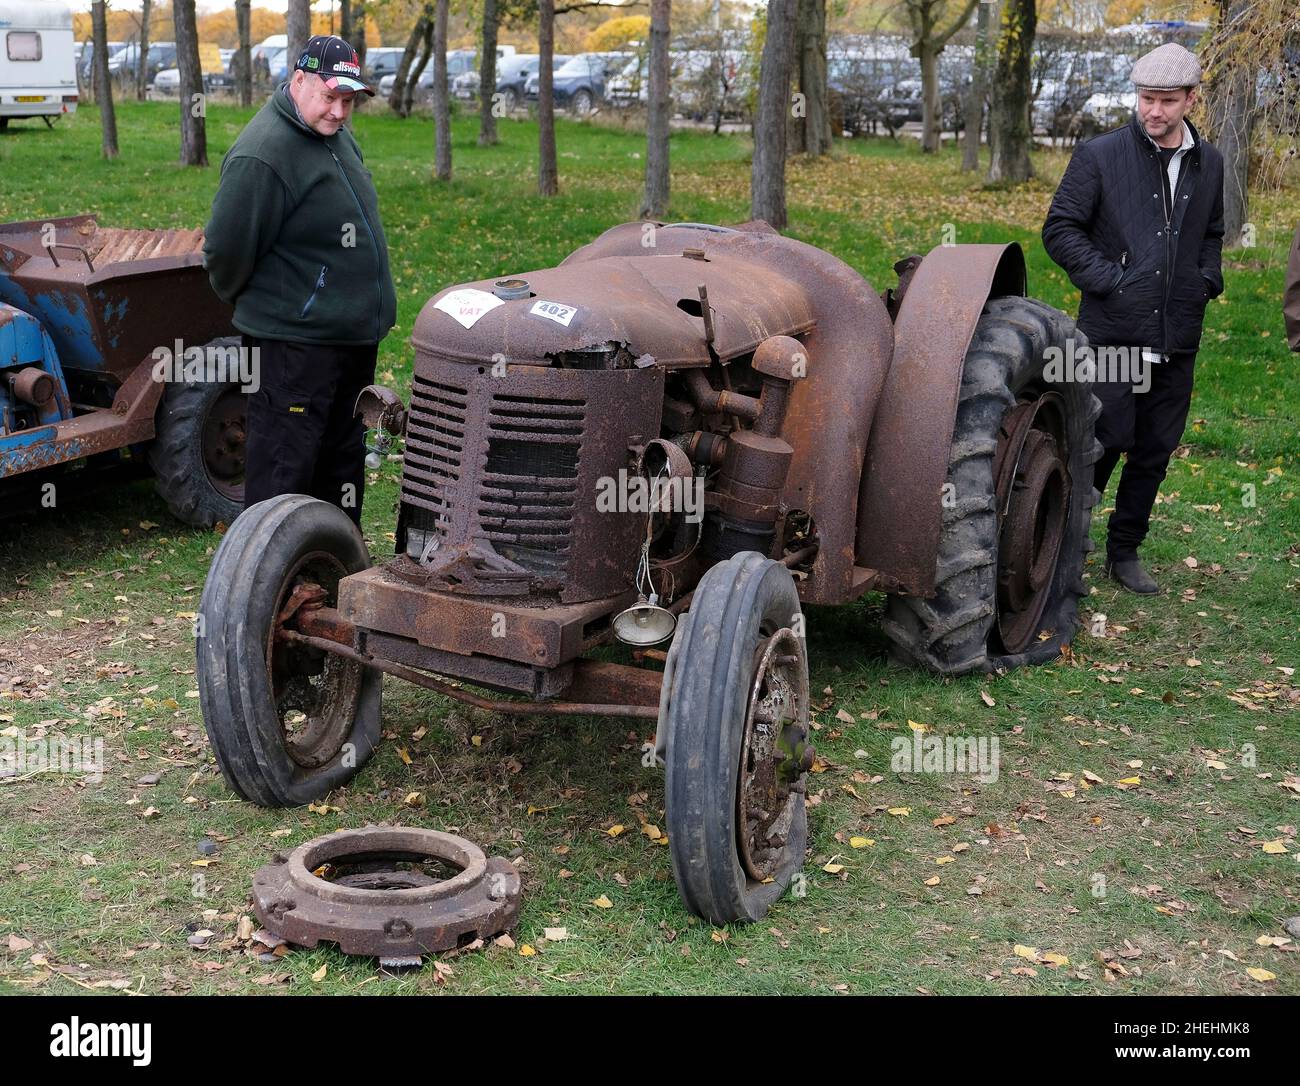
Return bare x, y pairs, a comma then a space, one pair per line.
435, 444
530, 481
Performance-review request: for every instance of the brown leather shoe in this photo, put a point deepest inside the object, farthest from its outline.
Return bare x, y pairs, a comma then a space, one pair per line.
1130, 574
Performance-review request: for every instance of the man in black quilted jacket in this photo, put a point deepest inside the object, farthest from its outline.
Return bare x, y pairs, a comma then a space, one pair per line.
1137, 223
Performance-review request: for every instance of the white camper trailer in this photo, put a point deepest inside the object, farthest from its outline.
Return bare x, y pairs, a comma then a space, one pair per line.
38, 60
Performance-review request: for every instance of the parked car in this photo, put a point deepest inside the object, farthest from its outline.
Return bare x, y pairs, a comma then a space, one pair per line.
123, 65
579, 84
216, 75
513, 70
382, 60
87, 57
459, 61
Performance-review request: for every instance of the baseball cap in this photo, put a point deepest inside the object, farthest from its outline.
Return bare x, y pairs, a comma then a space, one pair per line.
335, 61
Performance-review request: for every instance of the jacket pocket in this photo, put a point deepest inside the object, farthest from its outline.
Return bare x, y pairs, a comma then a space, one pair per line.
320, 283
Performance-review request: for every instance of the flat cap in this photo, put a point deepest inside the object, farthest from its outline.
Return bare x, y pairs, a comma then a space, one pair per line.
1167, 67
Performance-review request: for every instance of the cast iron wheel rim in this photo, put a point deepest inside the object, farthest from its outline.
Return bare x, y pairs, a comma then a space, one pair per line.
316, 717
1032, 477
582, 103
224, 438
774, 755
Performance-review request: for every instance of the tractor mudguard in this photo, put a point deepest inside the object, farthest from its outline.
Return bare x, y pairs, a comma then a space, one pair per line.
900, 515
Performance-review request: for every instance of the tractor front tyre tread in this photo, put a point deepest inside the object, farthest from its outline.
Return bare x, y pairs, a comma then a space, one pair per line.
237, 612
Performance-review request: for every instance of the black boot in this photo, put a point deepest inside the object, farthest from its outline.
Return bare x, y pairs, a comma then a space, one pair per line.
1129, 573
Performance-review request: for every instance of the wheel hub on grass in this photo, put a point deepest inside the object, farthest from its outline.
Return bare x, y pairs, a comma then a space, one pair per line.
224, 444
313, 690
384, 891
775, 754
1033, 494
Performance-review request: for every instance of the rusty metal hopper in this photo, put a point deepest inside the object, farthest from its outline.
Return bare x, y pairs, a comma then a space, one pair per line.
108, 297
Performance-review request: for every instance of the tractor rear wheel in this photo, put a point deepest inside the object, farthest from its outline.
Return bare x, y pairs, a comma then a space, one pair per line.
198, 454
1017, 506
287, 722
736, 717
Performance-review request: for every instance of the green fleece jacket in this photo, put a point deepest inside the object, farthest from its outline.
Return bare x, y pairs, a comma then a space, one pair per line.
295, 242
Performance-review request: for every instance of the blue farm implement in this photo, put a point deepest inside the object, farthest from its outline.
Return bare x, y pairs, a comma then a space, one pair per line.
86, 315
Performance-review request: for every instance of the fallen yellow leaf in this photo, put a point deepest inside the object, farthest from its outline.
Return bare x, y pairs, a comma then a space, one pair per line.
401, 753
1261, 975
614, 831
1273, 848
943, 820
933, 880
526, 951
319, 975
861, 842
901, 812
917, 727
1030, 952
603, 902
833, 869
941, 860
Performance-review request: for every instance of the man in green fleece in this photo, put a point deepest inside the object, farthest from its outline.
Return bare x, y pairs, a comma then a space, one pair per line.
296, 245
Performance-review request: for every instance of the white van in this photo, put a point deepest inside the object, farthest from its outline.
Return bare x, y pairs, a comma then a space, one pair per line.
38, 60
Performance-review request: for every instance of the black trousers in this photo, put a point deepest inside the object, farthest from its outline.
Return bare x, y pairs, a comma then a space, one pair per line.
1148, 426
302, 437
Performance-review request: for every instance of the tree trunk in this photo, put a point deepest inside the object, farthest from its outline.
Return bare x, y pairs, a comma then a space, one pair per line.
142, 68
413, 81
241, 64
654, 200
345, 21
104, 88
194, 136
979, 88
1232, 102
441, 97
1010, 135
297, 28
487, 77
548, 179
767, 173
812, 131
397, 96
930, 108
358, 38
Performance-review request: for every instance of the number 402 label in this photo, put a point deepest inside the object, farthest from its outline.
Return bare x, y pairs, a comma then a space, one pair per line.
554, 311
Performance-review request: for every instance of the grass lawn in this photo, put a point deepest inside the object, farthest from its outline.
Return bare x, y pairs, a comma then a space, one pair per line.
1160, 886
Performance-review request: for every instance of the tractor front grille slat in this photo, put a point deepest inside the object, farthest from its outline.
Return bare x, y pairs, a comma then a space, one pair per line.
434, 445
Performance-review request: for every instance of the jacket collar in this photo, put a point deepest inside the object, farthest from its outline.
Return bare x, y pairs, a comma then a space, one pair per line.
1143, 139
288, 109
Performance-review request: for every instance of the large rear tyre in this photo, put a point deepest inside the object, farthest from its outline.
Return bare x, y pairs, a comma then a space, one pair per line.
287, 722
198, 454
1017, 506
736, 720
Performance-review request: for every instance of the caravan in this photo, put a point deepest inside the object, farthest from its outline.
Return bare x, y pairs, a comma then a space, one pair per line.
38, 61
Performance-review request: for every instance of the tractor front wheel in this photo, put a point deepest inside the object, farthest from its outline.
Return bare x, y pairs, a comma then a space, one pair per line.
736, 718
1017, 504
287, 722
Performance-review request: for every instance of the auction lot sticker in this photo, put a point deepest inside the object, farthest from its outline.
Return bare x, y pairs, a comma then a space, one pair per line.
554, 311
467, 305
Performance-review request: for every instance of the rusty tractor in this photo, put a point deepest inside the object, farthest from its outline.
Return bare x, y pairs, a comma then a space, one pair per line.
692, 436
87, 314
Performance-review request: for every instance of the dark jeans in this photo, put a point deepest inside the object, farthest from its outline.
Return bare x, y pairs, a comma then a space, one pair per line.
302, 437
1148, 426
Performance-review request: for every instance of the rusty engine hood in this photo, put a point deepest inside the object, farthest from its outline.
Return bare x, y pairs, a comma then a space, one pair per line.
627, 300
